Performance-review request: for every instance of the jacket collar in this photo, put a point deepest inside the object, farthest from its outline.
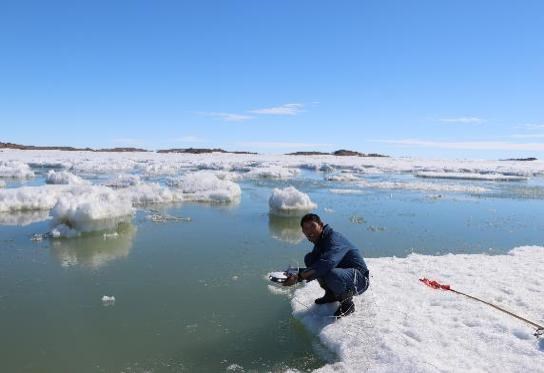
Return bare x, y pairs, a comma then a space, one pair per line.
327, 230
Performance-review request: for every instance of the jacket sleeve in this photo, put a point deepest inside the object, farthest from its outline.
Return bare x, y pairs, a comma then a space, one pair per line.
329, 259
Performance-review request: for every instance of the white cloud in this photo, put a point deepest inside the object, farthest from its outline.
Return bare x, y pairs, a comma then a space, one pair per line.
467, 145
273, 145
286, 109
463, 120
531, 126
229, 117
528, 136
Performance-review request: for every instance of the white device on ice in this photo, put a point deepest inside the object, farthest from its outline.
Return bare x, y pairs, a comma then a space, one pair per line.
282, 276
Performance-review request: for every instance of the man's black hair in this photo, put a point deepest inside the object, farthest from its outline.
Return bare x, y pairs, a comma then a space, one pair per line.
310, 217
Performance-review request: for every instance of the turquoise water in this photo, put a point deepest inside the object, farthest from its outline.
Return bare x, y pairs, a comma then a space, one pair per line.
192, 296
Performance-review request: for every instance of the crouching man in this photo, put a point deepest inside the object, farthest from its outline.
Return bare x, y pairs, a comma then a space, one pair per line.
335, 263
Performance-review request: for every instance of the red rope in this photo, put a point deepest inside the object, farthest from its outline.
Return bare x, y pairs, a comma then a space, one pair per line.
436, 285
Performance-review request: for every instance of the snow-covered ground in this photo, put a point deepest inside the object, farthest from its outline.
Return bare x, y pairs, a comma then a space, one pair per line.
401, 325
14, 163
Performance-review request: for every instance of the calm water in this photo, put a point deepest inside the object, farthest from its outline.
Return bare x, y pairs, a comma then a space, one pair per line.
192, 296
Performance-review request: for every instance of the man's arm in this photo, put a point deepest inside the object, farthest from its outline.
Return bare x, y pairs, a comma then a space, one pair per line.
328, 260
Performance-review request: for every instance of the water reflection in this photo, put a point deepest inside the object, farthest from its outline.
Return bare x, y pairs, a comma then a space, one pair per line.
22, 218
285, 228
94, 250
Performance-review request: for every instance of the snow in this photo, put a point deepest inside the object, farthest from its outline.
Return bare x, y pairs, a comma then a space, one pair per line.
205, 186
64, 177
402, 325
289, 200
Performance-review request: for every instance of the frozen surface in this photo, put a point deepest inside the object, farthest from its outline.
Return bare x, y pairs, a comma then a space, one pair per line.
402, 325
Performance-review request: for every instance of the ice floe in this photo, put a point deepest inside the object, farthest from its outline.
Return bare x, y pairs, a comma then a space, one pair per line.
402, 325
470, 176
15, 169
290, 201
204, 186
124, 181
423, 186
272, 172
92, 209
345, 176
64, 177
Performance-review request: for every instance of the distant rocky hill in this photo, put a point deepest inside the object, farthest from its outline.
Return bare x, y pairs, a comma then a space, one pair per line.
200, 151
341, 153
9, 145
520, 159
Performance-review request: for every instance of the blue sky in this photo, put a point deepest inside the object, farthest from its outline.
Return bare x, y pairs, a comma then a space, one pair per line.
417, 78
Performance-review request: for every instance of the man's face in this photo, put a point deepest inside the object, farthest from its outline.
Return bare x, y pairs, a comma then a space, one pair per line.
312, 230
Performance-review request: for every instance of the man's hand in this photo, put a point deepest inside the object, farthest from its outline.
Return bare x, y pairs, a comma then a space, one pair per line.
291, 280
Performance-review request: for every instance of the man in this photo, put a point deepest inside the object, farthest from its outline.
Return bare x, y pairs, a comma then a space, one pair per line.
335, 263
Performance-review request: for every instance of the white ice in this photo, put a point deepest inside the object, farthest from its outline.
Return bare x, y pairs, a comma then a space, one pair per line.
289, 200
92, 209
205, 186
64, 177
401, 325
15, 169
470, 176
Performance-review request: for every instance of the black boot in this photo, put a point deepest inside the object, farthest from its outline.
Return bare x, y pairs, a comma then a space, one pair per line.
327, 298
347, 307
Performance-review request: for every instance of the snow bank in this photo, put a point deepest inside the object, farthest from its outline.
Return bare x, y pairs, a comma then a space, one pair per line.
64, 177
289, 200
204, 186
92, 209
15, 169
469, 176
402, 325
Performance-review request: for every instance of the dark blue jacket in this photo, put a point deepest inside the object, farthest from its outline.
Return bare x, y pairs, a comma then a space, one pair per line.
333, 250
